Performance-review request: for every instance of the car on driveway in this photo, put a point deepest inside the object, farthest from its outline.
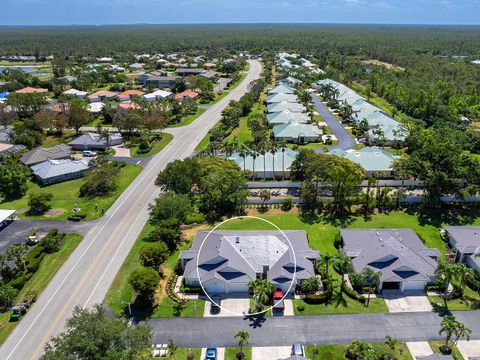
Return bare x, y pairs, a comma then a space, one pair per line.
216, 303
88, 153
211, 354
297, 349
277, 301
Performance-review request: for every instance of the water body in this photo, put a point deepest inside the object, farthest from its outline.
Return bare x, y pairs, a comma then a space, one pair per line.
26, 69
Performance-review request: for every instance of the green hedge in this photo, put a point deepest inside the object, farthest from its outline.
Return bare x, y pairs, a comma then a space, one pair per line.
352, 294
321, 298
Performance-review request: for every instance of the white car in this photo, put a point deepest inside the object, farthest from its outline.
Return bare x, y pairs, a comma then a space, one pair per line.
89, 153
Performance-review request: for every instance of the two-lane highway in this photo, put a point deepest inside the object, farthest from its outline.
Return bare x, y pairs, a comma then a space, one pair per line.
86, 276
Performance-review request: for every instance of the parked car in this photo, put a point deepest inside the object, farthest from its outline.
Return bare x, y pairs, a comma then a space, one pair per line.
297, 349
89, 153
211, 354
277, 301
216, 303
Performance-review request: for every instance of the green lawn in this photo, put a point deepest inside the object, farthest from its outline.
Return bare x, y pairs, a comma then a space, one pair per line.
120, 292
182, 353
156, 148
188, 119
242, 132
435, 345
202, 145
52, 140
47, 270
336, 352
231, 352
65, 195
456, 304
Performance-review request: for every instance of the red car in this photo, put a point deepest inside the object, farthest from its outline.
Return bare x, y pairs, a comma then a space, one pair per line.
278, 304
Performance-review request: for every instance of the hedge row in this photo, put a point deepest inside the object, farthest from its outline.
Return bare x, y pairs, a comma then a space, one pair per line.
352, 294
321, 298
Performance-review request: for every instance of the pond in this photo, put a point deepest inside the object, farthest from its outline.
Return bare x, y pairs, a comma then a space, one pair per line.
27, 69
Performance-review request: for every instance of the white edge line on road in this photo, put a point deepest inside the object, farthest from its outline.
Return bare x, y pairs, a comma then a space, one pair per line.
116, 252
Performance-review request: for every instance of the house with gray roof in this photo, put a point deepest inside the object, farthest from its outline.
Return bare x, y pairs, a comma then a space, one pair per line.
281, 89
436, 356
285, 117
276, 98
374, 160
399, 255
465, 240
229, 260
285, 106
39, 155
270, 166
94, 141
291, 81
54, 171
297, 133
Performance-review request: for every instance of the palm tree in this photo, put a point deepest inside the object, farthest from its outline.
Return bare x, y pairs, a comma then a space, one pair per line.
243, 155
465, 273
283, 147
253, 154
273, 151
447, 272
243, 336
325, 259
344, 264
391, 343
263, 149
172, 348
17, 253
452, 327
310, 285
265, 195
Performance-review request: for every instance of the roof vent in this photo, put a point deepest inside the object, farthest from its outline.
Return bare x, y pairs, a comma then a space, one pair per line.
237, 239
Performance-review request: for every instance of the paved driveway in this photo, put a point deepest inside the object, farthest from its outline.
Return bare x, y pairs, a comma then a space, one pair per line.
407, 302
271, 353
419, 348
231, 306
469, 349
345, 140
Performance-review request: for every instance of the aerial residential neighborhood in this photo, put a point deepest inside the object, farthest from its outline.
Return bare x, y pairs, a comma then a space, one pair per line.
240, 181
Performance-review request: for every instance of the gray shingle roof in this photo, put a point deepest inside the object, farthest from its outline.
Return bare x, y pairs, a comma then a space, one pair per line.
93, 139
467, 238
435, 356
38, 155
237, 256
396, 253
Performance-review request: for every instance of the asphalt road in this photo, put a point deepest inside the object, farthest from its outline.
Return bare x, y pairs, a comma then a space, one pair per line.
345, 141
86, 276
319, 329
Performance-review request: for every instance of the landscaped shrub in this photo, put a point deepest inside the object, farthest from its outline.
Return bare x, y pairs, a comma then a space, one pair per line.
194, 218
34, 258
322, 297
18, 282
287, 204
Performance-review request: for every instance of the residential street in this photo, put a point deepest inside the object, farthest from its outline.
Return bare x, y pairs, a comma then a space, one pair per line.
86, 276
320, 329
345, 140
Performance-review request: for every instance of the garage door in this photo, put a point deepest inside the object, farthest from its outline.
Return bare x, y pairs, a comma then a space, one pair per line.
413, 285
237, 288
391, 285
215, 288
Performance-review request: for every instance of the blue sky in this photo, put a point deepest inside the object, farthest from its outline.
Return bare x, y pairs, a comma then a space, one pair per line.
64, 12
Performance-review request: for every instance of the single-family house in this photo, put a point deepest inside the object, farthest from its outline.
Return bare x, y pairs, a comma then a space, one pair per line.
31, 90
94, 141
6, 217
399, 255
68, 79
297, 133
270, 166
128, 105
105, 59
291, 81
189, 71
136, 67
102, 95
209, 74
374, 160
465, 240
39, 155
115, 69
281, 89
285, 117
157, 95
229, 260
157, 81
54, 171
186, 94
276, 98
285, 105
96, 107
130, 94
76, 93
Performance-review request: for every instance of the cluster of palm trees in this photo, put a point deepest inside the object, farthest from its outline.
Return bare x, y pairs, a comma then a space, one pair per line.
330, 94
262, 291
453, 329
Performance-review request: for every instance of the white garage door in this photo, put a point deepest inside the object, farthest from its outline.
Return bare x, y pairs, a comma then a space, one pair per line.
215, 288
413, 285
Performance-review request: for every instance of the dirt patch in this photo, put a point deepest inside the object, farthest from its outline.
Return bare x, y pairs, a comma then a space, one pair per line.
160, 292
384, 64
190, 232
54, 212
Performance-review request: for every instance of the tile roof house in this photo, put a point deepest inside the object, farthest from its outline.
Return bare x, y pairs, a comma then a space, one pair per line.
157, 95
54, 171
39, 155
285, 105
129, 94
402, 259
275, 167
77, 93
95, 107
297, 132
466, 242
290, 81
186, 94
91, 141
102, 95
374, 160
31, 90
229, 260
276, 98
